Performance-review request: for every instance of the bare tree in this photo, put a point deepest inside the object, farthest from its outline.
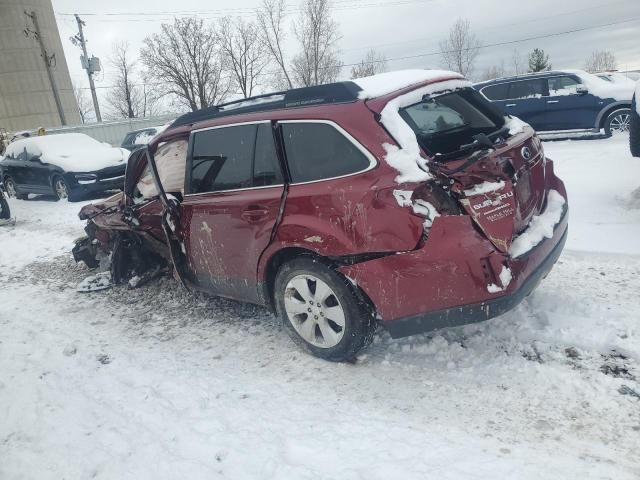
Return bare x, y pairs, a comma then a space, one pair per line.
493, 71
243, 52
317, 32
371, 64
600, 61
85, 106
186, 58
460, 50
519, 64
123, 98
270, 18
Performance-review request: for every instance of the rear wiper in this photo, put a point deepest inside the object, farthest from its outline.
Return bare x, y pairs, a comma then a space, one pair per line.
481, 141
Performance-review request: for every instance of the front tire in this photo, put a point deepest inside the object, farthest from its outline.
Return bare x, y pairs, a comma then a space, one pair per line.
634, 134
322, 311
5, 213
60, 189
617, 122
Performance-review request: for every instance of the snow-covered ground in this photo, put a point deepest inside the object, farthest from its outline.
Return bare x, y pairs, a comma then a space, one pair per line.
162, 384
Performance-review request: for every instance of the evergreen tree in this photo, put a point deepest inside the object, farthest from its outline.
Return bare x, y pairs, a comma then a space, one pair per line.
539, 61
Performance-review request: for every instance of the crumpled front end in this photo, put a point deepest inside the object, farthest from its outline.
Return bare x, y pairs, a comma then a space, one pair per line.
459, 276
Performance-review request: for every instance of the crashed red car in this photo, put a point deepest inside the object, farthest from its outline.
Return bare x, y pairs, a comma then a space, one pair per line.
403, 199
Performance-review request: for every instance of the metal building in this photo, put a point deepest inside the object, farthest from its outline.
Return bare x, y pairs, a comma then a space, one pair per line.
27, 100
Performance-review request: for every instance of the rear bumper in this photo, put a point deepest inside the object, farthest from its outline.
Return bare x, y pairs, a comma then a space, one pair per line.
452, 317
446, 282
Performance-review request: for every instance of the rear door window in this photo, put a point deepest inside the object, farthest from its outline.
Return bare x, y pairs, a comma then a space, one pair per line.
523, 89
496, 92
316, 151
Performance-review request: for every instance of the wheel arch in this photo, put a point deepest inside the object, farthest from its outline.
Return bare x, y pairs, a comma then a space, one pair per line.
286, 254
608, 110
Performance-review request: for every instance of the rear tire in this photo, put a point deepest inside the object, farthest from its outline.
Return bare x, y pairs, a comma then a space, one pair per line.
322, 311
617, 122
634, 134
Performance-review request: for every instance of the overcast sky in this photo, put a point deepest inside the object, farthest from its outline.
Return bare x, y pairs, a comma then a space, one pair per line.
396, 28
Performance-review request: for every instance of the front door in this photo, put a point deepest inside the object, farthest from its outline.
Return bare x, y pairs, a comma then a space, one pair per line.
570, 107
234, 190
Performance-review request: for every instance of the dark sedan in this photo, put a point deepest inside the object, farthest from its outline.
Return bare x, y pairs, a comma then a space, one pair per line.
67, 165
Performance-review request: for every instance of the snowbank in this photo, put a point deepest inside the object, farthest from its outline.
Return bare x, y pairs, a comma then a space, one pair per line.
384, 83
72, 152
406, 158
540, 227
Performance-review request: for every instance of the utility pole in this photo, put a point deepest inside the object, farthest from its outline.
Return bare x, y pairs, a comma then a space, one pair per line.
91, 65
48, 61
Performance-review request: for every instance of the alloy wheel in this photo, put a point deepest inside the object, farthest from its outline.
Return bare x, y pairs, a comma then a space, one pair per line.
620, 123
11, 188
314, 311
61, 189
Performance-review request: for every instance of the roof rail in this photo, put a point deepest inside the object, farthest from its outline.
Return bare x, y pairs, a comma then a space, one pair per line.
339, 92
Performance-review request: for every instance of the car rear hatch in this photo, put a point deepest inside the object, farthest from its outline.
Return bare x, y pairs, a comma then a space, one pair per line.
495, 166
504, 189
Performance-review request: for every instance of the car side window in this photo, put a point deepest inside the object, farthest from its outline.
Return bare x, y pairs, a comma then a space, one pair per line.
222, 159
496, 92
170, 161
525, 89
266, 166
564, 85
318, 150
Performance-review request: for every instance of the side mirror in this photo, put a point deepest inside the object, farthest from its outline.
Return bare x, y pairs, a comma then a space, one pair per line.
35, 158
582, 90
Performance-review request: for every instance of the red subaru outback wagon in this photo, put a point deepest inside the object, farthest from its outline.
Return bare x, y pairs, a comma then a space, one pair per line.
404, 199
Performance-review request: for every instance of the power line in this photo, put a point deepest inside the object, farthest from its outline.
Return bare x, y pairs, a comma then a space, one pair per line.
338, 5
427, 54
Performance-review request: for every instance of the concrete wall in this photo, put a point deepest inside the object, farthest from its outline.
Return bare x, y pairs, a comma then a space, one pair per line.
26, 98
113, 132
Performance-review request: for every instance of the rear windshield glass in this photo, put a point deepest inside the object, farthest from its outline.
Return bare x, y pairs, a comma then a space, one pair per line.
444, 123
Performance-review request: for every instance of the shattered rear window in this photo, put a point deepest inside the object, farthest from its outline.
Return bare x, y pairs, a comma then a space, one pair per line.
443, 123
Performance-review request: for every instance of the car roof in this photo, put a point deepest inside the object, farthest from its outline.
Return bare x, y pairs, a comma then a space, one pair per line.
339, 92
328, 94
526, 76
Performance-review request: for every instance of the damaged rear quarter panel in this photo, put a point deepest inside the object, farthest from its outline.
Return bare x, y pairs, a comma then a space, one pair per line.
445, 272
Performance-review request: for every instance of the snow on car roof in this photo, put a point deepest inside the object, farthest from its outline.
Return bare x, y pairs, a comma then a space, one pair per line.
70, 151
55, 144
384, 83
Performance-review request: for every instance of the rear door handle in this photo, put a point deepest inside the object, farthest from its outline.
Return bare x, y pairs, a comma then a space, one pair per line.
553, 101
254, 212
510, 104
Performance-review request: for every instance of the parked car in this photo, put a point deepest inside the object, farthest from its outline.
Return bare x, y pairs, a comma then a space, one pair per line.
563, 100
140, 138
66, 165
405, 199
634, 125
